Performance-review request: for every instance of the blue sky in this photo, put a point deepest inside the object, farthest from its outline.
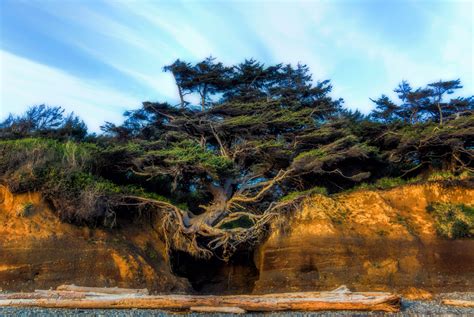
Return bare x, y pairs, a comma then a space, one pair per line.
99, 58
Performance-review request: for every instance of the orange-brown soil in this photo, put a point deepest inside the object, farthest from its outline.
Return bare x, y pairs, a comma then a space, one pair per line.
38, 251
369, 240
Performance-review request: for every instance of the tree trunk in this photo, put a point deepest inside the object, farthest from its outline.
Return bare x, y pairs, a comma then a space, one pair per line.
214, 211
180, 92
203, 97
440, 114
181, 97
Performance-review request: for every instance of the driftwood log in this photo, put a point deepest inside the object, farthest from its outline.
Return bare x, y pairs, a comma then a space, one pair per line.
207, 309
459, 303
340, 299
102, 290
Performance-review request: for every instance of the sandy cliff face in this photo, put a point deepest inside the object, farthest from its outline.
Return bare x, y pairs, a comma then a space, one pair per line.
38, 251
368, 240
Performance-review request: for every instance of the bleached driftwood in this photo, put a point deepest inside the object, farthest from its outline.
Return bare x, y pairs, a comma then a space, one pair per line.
226, 310
459, 303
340, 299
102, 290
43, 294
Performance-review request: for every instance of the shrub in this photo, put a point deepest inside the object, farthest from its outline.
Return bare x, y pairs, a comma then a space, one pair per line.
449, 176
453, 221
61, 171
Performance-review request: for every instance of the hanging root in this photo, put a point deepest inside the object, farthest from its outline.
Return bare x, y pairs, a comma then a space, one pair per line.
185, 233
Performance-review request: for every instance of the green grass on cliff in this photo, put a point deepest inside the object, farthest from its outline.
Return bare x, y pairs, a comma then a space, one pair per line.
386, 183
391, 182
297, 194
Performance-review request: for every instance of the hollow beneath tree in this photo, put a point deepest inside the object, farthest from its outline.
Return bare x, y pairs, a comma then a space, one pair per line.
213, 276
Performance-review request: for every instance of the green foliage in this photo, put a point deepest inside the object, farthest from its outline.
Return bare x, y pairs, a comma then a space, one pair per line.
312, 154
386, 183
453, 221
25, 163
297, 194
190, 154
44, 121
242, 121
340, 149
448, 175
59, 170
391, 182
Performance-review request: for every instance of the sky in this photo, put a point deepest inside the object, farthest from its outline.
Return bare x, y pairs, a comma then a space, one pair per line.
100, 58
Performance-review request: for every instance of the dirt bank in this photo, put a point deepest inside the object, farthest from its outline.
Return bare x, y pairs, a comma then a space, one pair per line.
368, 240
371, 240
38, 251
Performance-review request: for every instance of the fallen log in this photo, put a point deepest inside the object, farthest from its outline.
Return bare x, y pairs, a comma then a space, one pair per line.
102, 290
225, 310
42, 294
305, 301
459, 303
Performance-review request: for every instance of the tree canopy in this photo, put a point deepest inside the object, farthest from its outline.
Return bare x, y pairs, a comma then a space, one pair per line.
423, 104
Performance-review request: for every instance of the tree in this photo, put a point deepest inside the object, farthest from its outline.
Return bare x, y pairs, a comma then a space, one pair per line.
44, 121
420, 142
422, 104
385, 110
240, 154
205, 78
438, 90
251, 81
427, 146
182, 73
214, 174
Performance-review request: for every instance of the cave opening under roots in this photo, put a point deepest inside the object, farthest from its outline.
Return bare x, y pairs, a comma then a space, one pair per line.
214, 276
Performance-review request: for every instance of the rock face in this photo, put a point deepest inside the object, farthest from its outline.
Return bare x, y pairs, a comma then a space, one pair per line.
368, 240
38, 251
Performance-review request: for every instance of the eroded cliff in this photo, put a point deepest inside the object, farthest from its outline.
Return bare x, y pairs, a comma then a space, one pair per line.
368, 240
38, 251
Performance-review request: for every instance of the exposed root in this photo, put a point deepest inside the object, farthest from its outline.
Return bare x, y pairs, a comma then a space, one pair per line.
201, 238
